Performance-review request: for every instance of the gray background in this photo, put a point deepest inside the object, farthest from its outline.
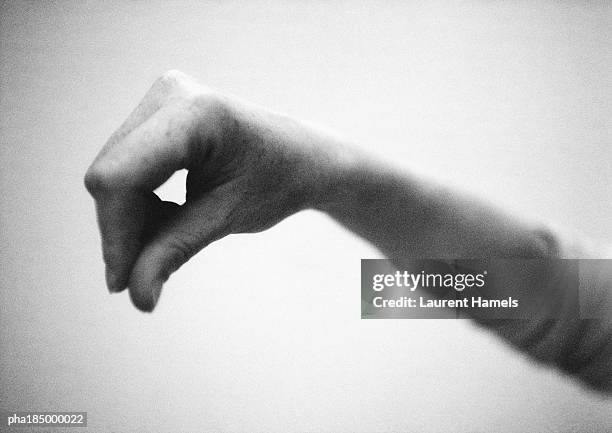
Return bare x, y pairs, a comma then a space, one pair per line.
262, 332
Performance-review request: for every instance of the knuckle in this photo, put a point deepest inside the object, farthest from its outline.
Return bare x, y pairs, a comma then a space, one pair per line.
210, 108
205, 100
185, 90
96, 180
172, 75
172, 79
100, 178
180, 251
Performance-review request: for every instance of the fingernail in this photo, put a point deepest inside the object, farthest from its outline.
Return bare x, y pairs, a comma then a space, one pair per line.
112, 282
145, 301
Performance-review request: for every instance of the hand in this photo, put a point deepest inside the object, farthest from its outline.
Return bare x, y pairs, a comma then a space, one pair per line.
247, 170
250, 168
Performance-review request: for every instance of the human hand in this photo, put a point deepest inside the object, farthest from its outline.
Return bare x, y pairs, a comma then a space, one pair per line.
247, 170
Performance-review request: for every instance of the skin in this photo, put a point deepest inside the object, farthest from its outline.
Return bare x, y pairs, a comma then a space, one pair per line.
249, 168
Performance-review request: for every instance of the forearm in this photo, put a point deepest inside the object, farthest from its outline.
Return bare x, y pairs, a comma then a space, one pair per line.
405, 215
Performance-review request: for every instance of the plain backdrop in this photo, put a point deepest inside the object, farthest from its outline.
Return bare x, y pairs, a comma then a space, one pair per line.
509, 100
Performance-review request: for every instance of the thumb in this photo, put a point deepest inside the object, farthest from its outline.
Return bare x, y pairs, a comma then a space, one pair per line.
192, 227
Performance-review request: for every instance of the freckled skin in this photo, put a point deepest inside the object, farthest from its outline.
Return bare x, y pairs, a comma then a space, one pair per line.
249, 168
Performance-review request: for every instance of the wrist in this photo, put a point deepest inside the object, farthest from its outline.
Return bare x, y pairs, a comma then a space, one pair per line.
341, 170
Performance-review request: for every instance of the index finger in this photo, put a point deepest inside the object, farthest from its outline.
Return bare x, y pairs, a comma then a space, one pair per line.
122, 181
